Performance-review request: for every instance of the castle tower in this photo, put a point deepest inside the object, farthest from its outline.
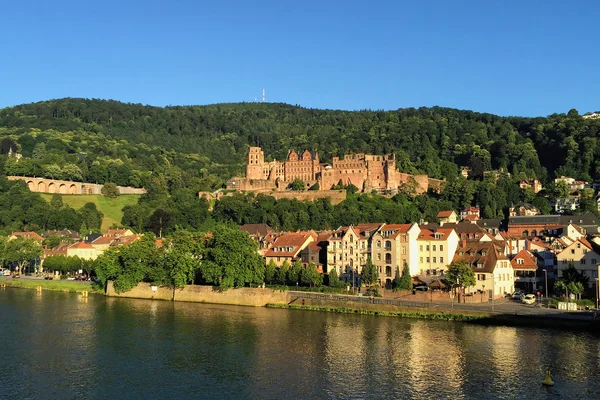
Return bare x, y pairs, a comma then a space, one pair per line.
256, 161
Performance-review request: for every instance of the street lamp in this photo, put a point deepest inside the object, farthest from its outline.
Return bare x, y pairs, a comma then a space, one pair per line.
546, 285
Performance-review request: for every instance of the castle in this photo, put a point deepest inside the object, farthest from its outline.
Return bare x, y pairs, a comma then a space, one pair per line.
367, 172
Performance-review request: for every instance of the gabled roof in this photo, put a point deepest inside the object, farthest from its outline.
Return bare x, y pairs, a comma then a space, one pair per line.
442, 233
257, 229
27, 235
484, 254
445, 213
60, 250
103, 240
81, 245
288, 240
581, 241
466, 228
528, 262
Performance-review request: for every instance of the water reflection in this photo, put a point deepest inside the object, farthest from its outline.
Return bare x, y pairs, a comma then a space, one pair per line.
126, 348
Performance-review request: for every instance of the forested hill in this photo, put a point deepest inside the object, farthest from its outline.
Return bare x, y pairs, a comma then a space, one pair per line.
112, 141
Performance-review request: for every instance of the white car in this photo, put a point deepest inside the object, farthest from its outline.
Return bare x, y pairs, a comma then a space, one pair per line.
528, 299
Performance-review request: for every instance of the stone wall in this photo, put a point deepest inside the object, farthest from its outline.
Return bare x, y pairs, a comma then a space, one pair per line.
43, 185
204, 294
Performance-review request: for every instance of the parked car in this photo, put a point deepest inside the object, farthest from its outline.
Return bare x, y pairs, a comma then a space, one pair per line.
422, 288
517, 295
528, 299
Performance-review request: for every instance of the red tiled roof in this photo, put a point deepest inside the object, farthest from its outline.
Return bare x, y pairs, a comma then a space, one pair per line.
293, 240
104, 240
81, 245
528, 261
444, 214
471, 217
27, 235
427, 234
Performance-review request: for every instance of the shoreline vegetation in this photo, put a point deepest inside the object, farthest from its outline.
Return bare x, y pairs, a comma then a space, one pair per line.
59, 285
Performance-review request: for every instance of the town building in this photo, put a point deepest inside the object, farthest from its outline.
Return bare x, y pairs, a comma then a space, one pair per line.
25, 235
525, 267
470, 214
344, 253
436, 249
566, 204
83, 250
447, 217
523, 209
288, 246
583, 255
391, 249
493, 270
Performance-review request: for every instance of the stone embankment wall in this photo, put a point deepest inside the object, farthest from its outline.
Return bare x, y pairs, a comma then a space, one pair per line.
335, 196
204, 294
435, 296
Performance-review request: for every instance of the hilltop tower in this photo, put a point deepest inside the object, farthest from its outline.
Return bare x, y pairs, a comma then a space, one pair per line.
256, 161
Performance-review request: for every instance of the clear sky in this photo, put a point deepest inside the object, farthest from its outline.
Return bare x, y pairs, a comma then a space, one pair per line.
505, 57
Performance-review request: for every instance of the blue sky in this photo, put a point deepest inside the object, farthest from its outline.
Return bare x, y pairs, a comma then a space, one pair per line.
505, 57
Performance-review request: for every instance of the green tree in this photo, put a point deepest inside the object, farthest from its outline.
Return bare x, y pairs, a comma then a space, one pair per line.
231, 259
369, 273
181, 257
310, 276
270, 272
315, 187
293, 274
22, 252
461, 273
110, 190
297, 184
282, 271
404, 281
334, 280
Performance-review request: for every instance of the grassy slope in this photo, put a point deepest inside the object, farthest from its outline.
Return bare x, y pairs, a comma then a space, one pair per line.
111, 208
59, 284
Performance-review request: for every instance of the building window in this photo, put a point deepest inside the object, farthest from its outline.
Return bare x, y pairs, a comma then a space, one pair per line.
594, 261
441, 260
421, 260
403, 249
427, 259
388, 271
378, 256
520, 261
583, 261
434, 260
421, 248
388, 245
441, 247
379, 244
572, 251
434, 247
388, 258
427, 248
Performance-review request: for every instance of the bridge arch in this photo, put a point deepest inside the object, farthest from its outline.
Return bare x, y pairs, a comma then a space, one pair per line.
41, 187
73, 189
51, 187
31, 185
62, 189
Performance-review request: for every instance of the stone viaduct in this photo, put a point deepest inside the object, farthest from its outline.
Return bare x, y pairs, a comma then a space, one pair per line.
43, 185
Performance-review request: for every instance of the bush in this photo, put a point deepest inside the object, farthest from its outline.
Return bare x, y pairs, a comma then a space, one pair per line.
63, 277
110, 190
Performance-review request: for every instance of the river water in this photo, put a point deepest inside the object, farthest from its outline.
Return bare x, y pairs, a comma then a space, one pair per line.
60, 346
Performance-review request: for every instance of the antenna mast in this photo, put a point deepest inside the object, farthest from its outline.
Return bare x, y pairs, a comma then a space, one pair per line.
263, 96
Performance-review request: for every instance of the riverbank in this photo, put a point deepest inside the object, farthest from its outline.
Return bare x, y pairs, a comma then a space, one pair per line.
57, 285
487, 319
442, 315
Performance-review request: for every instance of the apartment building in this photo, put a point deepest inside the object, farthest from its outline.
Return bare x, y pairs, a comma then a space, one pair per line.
392, 246
435, 249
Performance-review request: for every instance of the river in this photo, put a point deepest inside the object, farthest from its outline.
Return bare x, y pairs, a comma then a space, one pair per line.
61, 346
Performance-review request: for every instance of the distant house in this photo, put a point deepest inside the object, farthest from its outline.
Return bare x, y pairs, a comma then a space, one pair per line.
470, 214
62, 233
118, 232
82, 250
448, 216
523, 209
25, 235
566, 204
573, 184
531, 183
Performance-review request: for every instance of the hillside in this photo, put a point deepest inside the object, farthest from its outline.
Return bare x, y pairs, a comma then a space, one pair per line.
202, 146
111, 208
